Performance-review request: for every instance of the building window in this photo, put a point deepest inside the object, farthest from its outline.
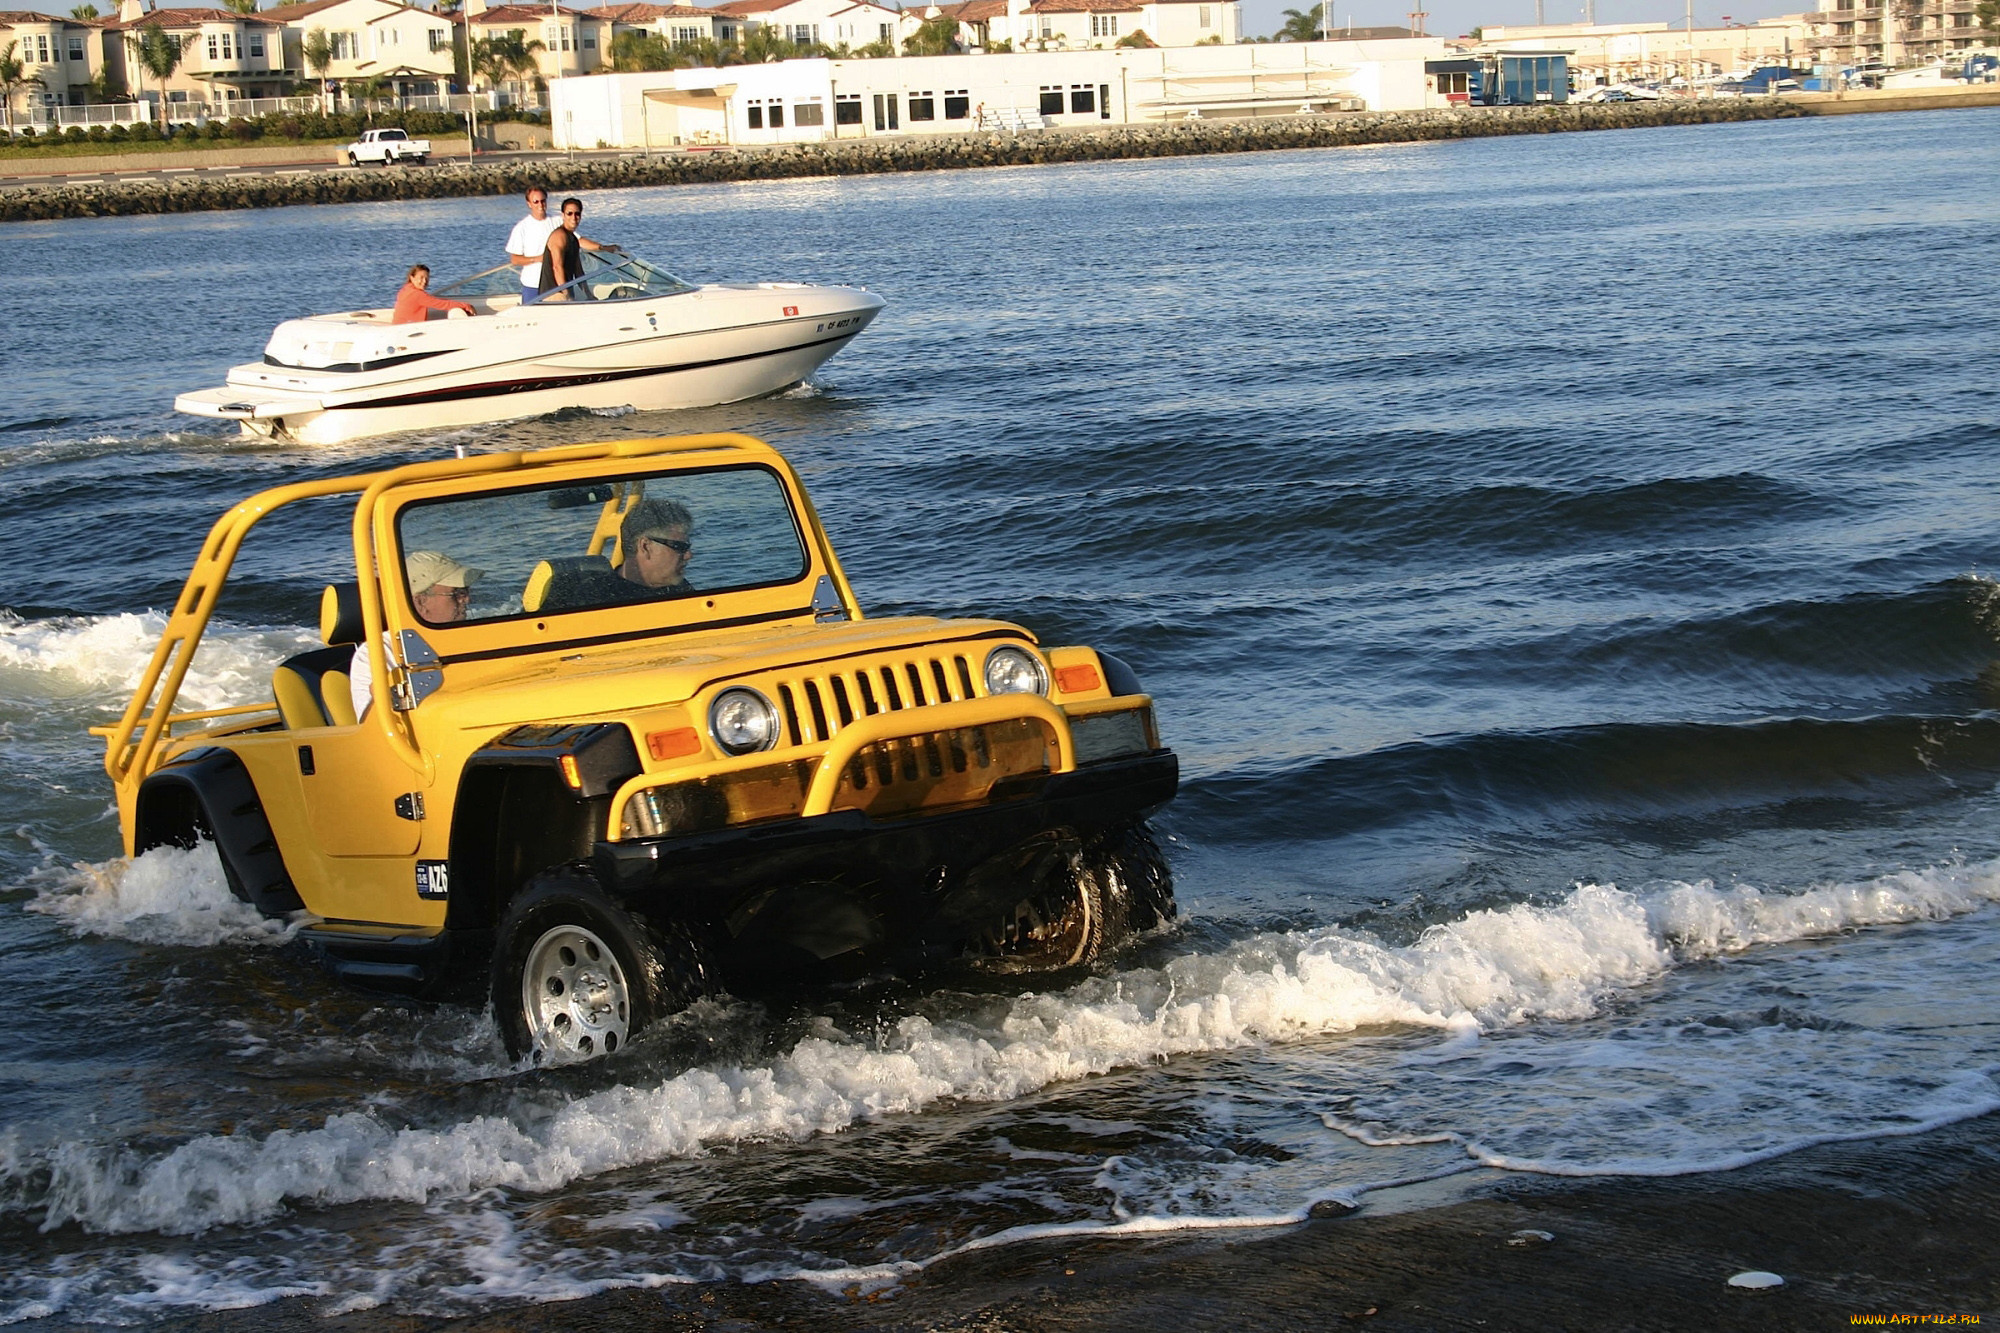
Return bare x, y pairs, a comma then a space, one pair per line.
344, 46
1052, 101
440, 40
211, 46
885, 111
1048, 29
257, 45
76, 48
589, 42
1205, 12
805, 34
1103, 25
755, 116
847, 109
777, 114
923, 106
683, 36
809, 113
228, 46
884, 31
728, 32
42, 45
957, 104
1082, 98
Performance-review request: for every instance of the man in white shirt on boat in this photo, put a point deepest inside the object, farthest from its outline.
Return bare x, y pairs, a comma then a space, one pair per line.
529, 239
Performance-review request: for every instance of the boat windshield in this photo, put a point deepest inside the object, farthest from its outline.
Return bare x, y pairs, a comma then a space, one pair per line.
605, 277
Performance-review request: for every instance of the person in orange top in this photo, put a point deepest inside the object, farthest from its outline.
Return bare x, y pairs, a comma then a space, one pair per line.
414, 304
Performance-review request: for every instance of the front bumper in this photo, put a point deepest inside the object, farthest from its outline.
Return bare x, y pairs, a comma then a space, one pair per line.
849, 882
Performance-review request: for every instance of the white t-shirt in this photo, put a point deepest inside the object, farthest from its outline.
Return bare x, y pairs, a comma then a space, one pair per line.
531, 237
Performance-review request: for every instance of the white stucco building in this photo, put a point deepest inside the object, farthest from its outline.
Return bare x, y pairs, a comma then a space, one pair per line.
803, 101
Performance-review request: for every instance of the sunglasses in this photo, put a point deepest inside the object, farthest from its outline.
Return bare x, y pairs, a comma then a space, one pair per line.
456, 594
542, 201
572, 212
674, 544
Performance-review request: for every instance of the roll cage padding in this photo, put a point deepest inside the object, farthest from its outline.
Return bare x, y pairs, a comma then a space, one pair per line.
517, 814
207, 793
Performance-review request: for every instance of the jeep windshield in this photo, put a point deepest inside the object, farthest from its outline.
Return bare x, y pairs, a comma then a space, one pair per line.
616, 541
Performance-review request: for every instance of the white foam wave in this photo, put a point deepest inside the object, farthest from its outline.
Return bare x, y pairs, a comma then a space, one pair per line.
1491, 969
109, 655
165, 896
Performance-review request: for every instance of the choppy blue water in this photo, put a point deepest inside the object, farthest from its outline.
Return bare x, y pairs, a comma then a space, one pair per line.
1562, 565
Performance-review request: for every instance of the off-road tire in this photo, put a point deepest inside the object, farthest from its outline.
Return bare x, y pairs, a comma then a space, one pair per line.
605, 973
1067, 920
1136, 873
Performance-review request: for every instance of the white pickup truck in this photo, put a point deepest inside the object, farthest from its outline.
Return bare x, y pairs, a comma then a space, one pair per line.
386, 146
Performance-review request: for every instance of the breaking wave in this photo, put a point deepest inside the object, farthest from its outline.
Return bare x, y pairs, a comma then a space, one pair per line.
1488, 971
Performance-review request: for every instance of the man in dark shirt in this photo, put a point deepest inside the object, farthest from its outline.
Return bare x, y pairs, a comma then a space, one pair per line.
654, 539
562, 262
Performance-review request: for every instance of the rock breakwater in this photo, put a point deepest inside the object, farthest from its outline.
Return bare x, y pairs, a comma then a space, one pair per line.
853, 157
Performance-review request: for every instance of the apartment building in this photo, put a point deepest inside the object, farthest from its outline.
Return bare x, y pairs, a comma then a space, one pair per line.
1905, 32
59, 56
1086, 25
409, 50
573, 41
225, 56
676, 25
1654, 52
830, 23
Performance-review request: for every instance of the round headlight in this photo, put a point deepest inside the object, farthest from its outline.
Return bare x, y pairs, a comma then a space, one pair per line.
1012, 671
742, 721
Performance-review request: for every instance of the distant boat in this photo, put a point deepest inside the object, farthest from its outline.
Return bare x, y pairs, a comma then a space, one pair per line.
623, 334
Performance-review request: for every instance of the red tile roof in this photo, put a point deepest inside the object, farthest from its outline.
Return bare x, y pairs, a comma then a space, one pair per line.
187, 18
520, 14
640, 13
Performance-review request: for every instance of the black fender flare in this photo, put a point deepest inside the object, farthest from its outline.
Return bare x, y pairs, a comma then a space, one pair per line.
517, 813
207, 793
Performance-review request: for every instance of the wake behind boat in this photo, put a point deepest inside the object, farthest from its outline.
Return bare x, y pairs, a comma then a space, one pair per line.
628, 334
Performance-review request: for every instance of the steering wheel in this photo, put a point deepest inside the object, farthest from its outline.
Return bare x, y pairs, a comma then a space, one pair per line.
622, 292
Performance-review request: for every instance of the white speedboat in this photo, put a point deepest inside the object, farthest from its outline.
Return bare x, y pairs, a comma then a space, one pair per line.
624, 334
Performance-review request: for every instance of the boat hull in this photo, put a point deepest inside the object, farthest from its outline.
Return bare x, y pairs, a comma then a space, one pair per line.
678, 369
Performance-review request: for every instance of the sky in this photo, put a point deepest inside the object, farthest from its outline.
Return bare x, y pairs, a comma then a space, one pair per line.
1448, 18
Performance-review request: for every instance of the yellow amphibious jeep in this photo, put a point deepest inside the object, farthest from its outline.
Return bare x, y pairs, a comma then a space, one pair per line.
604, 728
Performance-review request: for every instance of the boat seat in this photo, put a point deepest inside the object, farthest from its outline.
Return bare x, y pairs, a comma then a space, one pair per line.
312, 688
569, 582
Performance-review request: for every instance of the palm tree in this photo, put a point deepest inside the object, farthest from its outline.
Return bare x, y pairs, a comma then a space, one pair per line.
241, 6
84, 11
511, 55
937, 37
14, 76
159, 55
761, 46
1301, 25
318, 51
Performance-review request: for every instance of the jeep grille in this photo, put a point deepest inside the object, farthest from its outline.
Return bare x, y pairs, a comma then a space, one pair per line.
817, 707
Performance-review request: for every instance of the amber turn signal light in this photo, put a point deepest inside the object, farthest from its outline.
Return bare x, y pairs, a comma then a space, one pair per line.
674, 743
1077, 679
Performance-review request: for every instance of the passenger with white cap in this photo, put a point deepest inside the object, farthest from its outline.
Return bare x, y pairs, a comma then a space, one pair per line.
441, 589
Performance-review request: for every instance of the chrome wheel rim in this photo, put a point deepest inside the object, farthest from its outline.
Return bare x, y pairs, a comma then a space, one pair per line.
1048, 930
575, 996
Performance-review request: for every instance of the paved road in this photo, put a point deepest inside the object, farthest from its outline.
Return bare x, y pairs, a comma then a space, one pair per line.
255, 169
